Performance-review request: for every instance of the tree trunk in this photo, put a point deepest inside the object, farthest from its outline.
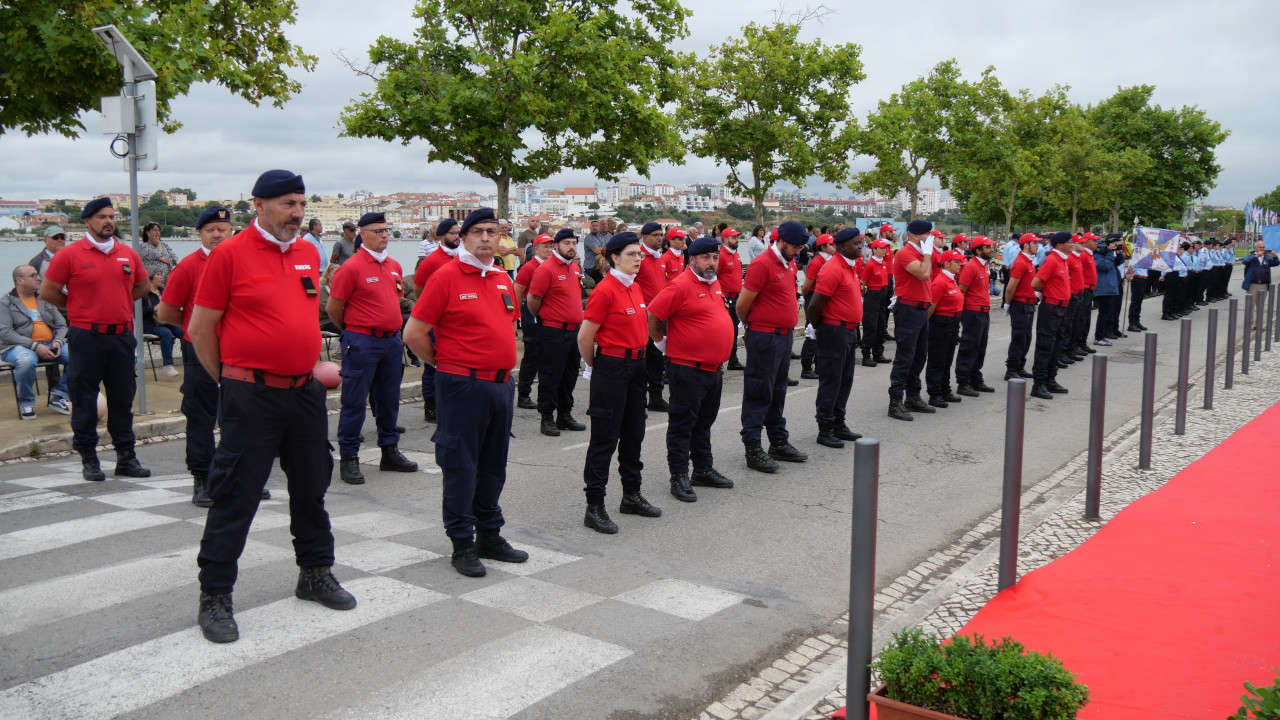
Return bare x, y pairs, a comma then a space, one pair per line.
1115, 217
1075, 210
759, 202
757, 194
1008, 211
503, 182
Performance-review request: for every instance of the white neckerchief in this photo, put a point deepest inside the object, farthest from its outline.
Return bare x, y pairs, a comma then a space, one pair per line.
677, 253
732, 250
1029, 255
981, 260
1087, 250
702, 279
381, 257
283, 245
948, 273
1060, 253
205, 250
103, 247
1076, 253
778, 252
622, 277
539, 259
878, 259
560, 257
447, 251
655, 253
469, 259
847, 261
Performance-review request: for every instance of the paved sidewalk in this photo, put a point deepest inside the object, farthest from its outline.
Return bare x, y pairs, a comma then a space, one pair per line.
946, 590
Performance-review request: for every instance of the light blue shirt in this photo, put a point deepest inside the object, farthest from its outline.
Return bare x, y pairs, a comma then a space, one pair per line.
324, 261
1180, 265
1009, 253
1041, 253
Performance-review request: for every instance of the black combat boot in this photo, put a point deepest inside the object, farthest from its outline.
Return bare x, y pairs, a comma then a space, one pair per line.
710, 477
319, 585
633, 503
827, 437
395, 461
758, 459
786, 451
549, 426
496, 547
349, 470
127, 464
680, 488
90, 467
216, 619
597, 518
898, 411
200, 494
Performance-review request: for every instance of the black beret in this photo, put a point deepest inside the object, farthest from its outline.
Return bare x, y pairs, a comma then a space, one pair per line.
480, 215
445, 226
919, 227
565, 234
274, 183
1115, 236
1060, 237
793, 233
651, 227
702, 246
1186, 245
213, 213
847, 234
371, 218
92, 207
623, 239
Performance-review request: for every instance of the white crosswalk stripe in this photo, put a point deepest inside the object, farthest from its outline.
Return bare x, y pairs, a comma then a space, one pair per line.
149, 672
70, 532
28, 499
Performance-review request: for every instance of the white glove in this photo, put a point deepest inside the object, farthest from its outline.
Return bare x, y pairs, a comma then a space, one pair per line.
662, 345
742, 326
1006, 311
810, 333
1039, 295
926, 247
586, 373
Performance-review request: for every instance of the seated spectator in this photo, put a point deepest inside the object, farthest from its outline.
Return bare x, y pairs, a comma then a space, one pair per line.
33, 331
326, 279
152, 326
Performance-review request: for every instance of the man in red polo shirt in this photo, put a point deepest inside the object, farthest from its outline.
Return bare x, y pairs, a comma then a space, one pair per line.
875, 278
975, 320
555, 297
1069, 352
835, 309
472, 308
1085, 246
1021, 307
809, 348
102, 278
199, 391
687, 322
364, 302
729, 273
944, 329
769, 310
651, 279
447, 234
271, 405
672, 261
541, 245
1053, 286
912, 273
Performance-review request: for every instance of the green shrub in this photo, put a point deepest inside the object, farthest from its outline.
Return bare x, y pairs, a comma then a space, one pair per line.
970, 679
1265, 703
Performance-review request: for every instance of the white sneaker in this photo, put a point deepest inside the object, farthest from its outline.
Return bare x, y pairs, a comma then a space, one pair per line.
28, 412
61, 405
170, 371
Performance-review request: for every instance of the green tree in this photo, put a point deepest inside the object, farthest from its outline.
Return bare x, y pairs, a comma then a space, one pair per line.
54, 69
191, 194
340, 196
1082, 173
741, 211
517, 90
242, 206
771, 108
1270, 201
919, 131
594, 206
314, 199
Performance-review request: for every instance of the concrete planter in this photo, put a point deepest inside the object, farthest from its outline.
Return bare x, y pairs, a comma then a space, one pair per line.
887, 709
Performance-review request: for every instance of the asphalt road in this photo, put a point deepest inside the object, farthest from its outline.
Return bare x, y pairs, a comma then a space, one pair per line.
655, 621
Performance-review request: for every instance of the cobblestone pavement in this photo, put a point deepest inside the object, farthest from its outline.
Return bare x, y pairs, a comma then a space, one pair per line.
946, 590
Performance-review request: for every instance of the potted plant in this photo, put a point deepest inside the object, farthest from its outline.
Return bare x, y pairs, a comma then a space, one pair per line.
1261, 703
967, 679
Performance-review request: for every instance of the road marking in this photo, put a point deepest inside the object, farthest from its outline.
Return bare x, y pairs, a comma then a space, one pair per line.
532, 599
377, 524
379, 556
539, 559
64, 597
70, 532
44, 482
681, 598
262, 520
533, 663
28, 499
135, 677
140, 499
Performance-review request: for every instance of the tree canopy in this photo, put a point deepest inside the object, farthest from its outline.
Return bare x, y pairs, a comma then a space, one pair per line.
53, 68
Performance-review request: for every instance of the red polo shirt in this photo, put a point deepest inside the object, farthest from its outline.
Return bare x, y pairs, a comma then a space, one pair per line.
619, 311
559, 284
840, 283
99, 285
729, 272
429, 265
774, 283
905, 285
975, 276
876, 273
180, 289
1090, 267
372, 292
814, 268
947, 294
1023, 269
652, 276
1053, 276
1075, 273
524, 276
270, 321
699, 332
672, 265
473, 317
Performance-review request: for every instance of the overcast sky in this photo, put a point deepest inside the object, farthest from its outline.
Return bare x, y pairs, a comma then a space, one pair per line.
1217, 56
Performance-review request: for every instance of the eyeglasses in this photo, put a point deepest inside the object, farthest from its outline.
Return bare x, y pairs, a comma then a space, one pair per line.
484, 231
636, 254
32, 275
382, 232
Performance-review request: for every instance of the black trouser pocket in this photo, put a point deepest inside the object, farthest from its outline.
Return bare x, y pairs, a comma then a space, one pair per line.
223, 477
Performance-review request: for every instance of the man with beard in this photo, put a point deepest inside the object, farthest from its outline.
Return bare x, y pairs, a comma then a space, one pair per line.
447, 235
102, 277
528, 323
835, 310
555, 298
652, 278
768, 308
687, 324
975, 319
729, 274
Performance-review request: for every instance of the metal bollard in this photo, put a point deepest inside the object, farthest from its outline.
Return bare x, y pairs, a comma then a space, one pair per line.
1271, 312
1184, 371
1211, 359
1258, 311
1244, 345
1148, 402
1232, 310
1097, 409
1015, 416
862, 575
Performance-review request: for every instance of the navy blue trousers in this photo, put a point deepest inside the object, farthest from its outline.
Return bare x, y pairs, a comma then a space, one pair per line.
911, 327
200, 406
944, 332
429, 376
616, 409
1049, 342
472, 438
558, 359
1083, 316
106, 360
837, 355
695, 403
731, 304
372, 369
1021, 317
875, 320
259, 423
975, 326
764, 386
529, 362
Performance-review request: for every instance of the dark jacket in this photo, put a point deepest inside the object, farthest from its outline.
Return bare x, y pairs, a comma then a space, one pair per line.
1258, 272
1108, 276
16, 324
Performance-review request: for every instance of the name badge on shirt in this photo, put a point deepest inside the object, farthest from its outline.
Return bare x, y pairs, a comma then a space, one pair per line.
468, 296
301, 267
371, 279
560, 277
630, 311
